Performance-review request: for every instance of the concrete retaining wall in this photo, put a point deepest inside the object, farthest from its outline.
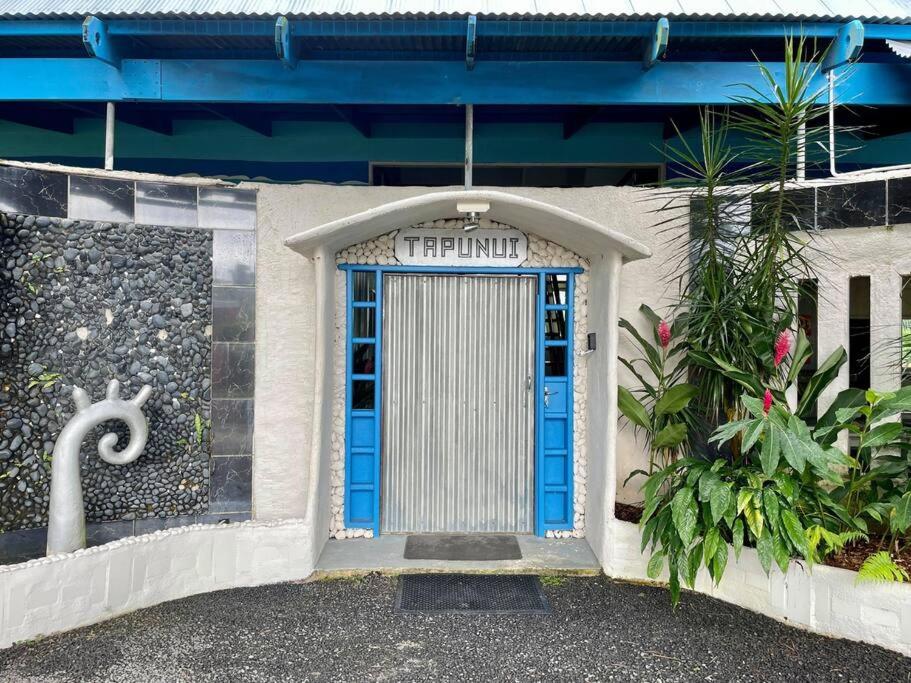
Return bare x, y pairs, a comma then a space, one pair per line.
62, 592
821, 599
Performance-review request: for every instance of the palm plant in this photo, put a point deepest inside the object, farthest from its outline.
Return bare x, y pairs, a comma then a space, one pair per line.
745, 264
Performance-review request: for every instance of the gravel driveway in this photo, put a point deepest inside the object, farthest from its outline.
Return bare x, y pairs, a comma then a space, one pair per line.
344, 630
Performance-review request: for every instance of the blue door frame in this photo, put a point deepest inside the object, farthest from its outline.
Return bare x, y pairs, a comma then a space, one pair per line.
553, 390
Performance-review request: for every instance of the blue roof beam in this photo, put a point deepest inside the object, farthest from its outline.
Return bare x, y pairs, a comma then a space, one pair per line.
418, 82
98, 42
286, 48
471, 42
845, 48
656, 43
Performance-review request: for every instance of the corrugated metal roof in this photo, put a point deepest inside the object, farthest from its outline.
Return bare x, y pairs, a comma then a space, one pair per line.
872, 11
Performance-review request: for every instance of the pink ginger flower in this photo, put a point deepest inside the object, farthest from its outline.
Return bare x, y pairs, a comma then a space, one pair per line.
664, 333
767, 401
782, 346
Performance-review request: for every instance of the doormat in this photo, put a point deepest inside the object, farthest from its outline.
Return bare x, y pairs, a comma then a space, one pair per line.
470, 593
462, 547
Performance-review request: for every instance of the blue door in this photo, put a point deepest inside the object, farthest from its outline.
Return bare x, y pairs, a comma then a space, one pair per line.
552, 387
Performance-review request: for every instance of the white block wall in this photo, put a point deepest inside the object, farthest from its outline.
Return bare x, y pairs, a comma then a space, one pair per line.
823, 599
62, 592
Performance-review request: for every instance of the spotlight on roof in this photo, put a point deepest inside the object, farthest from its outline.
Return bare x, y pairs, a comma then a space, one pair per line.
472, 222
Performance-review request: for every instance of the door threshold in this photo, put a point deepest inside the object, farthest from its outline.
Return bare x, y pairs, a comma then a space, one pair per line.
385, 555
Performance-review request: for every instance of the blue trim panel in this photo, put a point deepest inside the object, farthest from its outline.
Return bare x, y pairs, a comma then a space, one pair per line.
420, 82
363, 428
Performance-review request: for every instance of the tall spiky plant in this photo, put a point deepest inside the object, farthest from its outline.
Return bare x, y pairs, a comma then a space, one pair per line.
745, 263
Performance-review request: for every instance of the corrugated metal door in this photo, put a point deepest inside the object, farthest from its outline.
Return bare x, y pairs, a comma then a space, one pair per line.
458, 403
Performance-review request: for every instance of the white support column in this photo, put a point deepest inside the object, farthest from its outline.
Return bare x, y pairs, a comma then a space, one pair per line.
885, 330
833, 329
109, 137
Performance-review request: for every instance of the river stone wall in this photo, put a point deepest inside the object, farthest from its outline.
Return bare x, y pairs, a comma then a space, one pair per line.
83, 302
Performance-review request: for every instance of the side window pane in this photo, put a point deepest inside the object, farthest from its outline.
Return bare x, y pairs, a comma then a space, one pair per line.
364, 286
555, 325
363, 359
556, 288
362, 394
364, 322
555, 361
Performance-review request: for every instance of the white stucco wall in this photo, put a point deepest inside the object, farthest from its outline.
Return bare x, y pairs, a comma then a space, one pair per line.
61, 592
289, 377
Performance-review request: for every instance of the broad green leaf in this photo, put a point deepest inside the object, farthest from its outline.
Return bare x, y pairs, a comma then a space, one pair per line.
754, 405
737, 537
655, 564
743, 499
751, 435
707, 484
692, 565
770, 451
632, 409
781, 553
684, 513
882, 435
720, 500
823, 377
792, 449
675, 399
647, 530
901, 519
802, 352
670, 436
795, 531
729, 430
720, 561
900, 402
753, 515
764, 548
710, 544
771, 507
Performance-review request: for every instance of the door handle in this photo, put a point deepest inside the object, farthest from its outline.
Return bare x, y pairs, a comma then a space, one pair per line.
547, 394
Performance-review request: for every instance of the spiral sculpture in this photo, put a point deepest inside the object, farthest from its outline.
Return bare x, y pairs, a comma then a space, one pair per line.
66, 514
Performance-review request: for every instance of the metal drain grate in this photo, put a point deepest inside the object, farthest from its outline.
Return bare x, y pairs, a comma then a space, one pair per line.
470, 593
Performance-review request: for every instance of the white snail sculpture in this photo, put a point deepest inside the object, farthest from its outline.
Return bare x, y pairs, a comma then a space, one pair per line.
66, 514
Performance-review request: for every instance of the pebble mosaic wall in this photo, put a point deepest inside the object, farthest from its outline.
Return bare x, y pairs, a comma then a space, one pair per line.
149, 282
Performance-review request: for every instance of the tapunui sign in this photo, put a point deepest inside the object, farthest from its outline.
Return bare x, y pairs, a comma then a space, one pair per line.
434, 247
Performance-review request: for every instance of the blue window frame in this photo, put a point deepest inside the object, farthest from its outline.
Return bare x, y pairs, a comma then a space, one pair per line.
553, 391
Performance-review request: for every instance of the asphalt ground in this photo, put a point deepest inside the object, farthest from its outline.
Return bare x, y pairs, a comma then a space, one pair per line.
346, 630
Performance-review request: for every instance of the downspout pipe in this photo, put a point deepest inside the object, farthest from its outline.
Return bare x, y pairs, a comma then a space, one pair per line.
109, 137
469, 144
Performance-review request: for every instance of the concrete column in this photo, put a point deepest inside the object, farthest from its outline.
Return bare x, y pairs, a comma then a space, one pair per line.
885, 330
833, 330
603, 319
109, 137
